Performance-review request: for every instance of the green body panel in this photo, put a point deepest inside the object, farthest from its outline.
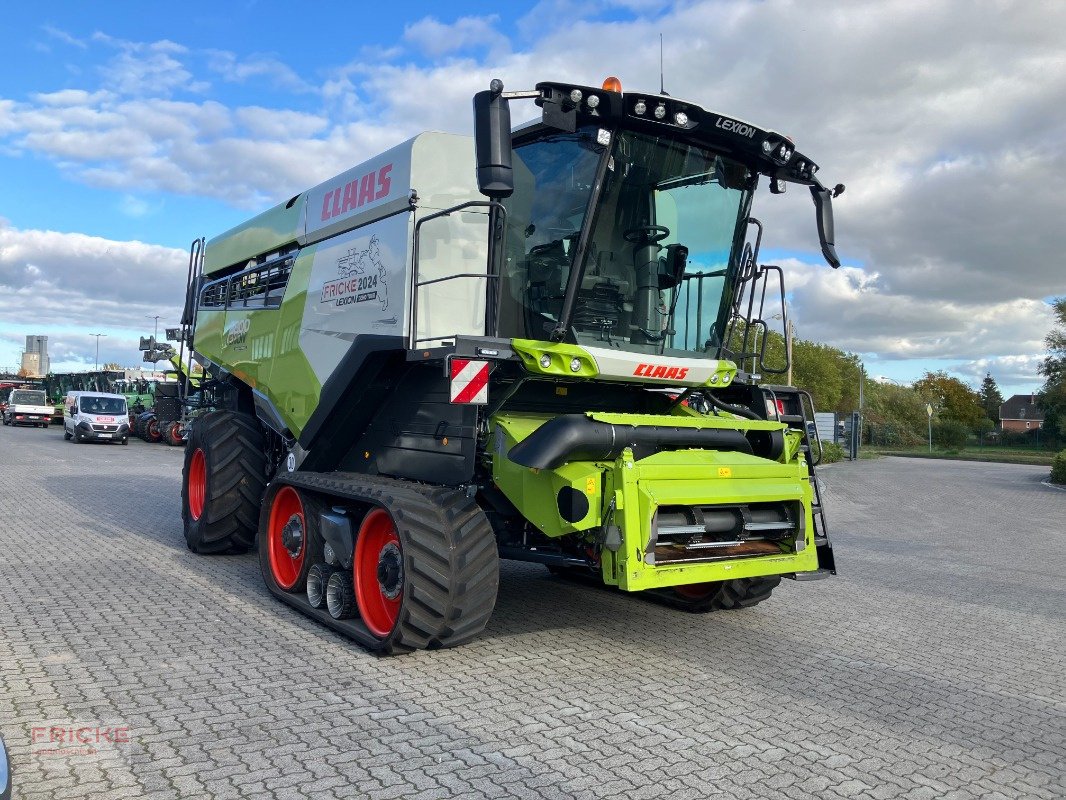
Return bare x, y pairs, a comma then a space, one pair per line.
561, 362
562, 356
267, 231
533, 491
262, 347
626, 493
691, 477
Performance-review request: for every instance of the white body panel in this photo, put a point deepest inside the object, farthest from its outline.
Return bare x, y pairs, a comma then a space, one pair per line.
96, 415
669, 370
361, 279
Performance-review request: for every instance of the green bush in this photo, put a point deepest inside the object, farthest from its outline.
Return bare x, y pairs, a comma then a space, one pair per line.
950, 434
832, 452
1058, 468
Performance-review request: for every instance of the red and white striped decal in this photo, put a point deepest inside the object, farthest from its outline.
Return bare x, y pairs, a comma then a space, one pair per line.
470, 381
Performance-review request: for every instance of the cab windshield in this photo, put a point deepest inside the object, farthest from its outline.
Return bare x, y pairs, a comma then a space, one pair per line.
102, 405
28, 397
666, 234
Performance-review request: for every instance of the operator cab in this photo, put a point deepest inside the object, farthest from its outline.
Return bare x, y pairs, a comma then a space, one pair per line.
665, 230
627, 217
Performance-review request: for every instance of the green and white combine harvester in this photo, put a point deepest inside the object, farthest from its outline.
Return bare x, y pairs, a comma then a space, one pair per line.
543, 344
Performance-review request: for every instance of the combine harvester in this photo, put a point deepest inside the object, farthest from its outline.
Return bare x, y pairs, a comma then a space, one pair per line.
413, 380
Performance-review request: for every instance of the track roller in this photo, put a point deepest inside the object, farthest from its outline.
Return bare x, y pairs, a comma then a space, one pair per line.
424, 567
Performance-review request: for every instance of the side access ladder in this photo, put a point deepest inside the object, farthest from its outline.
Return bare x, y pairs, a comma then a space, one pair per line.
795, 408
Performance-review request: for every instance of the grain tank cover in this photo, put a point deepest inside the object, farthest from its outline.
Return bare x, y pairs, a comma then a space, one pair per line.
379, 186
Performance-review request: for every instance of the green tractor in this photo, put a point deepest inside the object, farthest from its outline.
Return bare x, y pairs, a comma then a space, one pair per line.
544, 344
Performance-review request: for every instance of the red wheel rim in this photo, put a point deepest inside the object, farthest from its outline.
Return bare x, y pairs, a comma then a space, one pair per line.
286, 564
377, 571
696, 591
197, 483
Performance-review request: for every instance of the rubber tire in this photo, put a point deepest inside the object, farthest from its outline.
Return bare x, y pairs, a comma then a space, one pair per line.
172, 435
720, 596
235, 464
450, 579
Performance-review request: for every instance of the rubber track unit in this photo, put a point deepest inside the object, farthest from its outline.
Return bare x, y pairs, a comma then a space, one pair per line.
740, 593
236, 475
451, 564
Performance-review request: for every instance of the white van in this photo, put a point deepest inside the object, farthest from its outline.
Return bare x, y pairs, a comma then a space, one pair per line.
95, 416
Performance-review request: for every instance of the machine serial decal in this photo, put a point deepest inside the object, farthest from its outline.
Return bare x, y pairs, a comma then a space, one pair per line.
362, 278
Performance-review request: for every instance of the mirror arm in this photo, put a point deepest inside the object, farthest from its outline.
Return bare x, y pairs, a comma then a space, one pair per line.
823, 204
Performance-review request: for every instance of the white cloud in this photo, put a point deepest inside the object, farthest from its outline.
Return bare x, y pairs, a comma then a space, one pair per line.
64, 37
1007, 370
434, 38
145, 69
49, 278
137, 207
231, 68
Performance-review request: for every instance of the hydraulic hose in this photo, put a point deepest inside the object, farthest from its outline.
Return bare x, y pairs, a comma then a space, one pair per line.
576, 437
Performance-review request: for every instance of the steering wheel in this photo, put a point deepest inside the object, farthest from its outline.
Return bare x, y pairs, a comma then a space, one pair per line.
646, 234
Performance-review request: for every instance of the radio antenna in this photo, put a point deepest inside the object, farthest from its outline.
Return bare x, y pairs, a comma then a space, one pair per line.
662, 90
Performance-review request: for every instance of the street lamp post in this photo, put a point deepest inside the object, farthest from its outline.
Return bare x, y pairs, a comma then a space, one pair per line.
96, 366
155, 333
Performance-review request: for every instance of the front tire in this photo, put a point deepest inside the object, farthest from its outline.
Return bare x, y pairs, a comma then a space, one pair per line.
172, 434
222, 482
702, 598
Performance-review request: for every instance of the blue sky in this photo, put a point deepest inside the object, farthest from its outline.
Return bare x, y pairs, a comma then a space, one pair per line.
126, 134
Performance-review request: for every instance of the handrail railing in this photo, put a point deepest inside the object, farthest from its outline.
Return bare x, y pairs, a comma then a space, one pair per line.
497, 213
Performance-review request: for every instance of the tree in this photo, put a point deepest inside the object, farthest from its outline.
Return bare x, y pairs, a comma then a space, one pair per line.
950, 434
1053, 394
111, 365
991, 398
984, 427
828, 373
951, 397
894, 415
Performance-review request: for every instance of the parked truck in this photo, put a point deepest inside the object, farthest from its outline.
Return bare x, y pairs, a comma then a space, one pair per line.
544, 344
28, 407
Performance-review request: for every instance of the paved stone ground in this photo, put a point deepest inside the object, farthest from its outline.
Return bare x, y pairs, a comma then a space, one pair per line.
932, 667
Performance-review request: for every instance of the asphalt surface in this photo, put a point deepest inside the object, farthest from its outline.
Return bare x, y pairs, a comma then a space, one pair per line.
933, 666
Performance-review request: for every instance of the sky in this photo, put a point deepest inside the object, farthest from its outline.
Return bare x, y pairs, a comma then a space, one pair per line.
124, 135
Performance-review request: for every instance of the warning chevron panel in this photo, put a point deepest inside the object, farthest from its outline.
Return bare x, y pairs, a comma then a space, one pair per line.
470, 381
